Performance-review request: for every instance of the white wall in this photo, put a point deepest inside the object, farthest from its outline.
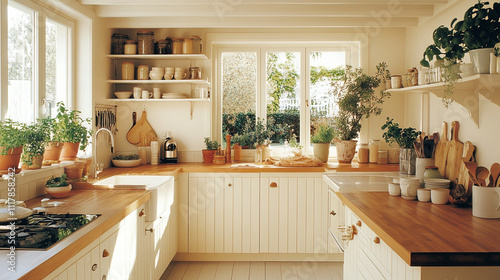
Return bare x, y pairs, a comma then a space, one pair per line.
485, 138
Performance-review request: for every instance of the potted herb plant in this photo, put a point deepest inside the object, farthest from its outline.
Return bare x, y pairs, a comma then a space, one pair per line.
321, 142
58, 187
384, 75
12, 139
211, 147
70, 130
357, 99
37, 136
481, 31
404, 137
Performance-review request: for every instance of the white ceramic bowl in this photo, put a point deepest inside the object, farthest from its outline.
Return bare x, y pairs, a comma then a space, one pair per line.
394, 189
126, 163
424, 195
439, 196
155, 75
437, 183
123, 94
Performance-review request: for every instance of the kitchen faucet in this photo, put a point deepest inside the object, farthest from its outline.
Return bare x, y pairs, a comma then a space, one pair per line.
98, 167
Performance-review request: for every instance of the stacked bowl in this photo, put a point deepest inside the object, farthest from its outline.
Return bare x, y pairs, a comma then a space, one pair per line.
437, 183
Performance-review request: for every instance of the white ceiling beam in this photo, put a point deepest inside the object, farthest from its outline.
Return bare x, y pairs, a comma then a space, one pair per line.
271, 10
367, 23
236, 2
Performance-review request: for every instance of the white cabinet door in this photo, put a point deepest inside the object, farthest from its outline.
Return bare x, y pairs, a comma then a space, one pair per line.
223, 213
293, 213
336, 218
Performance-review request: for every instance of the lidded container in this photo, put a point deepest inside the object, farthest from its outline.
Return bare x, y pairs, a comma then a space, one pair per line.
187, 47
177, 45
145, 42
382, 157
194, 73
118, 43
128, 70
197, 44
363, 153
432, 172
163, 46
374, 147
130, 47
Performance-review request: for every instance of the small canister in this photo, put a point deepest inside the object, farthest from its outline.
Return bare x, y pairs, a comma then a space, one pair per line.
187, 46
163, 47
118, 43
396, 81
363, 153
145, 42
177, 45
382, 157
432, 172
194, 73
128, 70
374, 147
130, 47
197, 45
143, 72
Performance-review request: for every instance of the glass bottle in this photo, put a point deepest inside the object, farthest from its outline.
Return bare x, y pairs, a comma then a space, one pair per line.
374, 147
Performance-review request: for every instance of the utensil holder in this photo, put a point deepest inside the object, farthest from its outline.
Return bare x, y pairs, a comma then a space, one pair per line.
485, 202
407, 160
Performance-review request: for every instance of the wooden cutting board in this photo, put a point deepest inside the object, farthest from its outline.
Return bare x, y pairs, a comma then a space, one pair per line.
441, 150
142, 133
454, 157
463, 175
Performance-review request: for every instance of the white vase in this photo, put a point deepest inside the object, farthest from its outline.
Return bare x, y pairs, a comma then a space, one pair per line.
481, 60
485, 202
321, 151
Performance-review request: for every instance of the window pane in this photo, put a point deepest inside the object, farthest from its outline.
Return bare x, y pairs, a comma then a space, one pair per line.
283, 95
56, 61
322, 68
239, 92
21, 94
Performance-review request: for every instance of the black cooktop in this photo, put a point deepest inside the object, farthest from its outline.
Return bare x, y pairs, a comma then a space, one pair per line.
41, 231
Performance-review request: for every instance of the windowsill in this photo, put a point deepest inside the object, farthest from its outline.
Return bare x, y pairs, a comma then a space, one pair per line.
42, 170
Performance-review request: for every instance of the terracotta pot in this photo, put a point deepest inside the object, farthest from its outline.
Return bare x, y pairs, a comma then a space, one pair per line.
321, 151
52, 153
11, 160
69, 151
58, 192
74, 172
208, 156
36, 163
345, 150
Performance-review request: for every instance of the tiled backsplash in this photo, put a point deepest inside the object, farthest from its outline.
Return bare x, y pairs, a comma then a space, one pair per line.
31, 183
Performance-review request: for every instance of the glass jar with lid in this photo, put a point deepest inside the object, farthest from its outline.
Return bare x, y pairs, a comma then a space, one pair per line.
130, 47
197, 45
177, 45
363, 153
118, 43
374, 147
145, 42
163, 47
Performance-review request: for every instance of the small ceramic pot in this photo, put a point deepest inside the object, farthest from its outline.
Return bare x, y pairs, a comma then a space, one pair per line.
58, 192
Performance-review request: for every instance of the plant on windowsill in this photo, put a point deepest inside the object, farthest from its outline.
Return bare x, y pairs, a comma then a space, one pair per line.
321, 142
404, 137
12, 139
211, 147
356, 97
58, 187
69, 128
37, 136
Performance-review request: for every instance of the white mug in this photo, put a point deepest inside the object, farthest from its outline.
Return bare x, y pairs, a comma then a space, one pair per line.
394, 189
485, 202
137, 94
156, 93
146, 94
168, 75
179, 75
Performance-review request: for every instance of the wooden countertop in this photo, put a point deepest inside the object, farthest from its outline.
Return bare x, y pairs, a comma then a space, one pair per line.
113, 205
426, 234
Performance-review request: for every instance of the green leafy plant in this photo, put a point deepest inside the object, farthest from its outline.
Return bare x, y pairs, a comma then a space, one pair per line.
496, 52
294, 143
404, 137
382, 72
127, 157
210, 145
323, 134
37, 135
56, 182
12, 135
357, 99
450, 77
447, 45
68, 126
245, 140
262, 134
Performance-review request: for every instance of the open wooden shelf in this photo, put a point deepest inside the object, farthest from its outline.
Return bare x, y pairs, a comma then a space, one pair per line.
159, 56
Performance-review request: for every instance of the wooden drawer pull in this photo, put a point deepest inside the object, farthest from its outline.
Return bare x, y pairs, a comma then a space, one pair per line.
229, 185
150, 230
94, 267
105, 253
359, 223
273, 185
142, 213
333, 213
376, 240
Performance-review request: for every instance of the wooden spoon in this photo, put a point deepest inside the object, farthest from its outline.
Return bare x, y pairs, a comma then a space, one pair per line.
481, 174
471, 167
495, 173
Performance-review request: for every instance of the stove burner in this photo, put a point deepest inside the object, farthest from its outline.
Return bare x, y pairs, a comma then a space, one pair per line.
42, 231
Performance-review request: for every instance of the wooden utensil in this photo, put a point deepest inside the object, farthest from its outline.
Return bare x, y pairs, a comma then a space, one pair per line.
463, 175
481, 174
441, 151
142, 133
134, 119
454, 157
495, 173
472, 167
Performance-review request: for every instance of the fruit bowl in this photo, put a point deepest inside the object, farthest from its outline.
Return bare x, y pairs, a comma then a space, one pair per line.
123, 94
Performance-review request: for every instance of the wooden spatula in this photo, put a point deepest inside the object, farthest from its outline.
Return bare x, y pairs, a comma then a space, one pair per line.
495, 173
441, 151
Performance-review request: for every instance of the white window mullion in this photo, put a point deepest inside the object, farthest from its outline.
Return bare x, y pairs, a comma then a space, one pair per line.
39, 66
305, 112
262, 81
4, 99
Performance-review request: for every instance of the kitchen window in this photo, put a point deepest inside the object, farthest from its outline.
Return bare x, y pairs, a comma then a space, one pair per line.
39, 68
286, 87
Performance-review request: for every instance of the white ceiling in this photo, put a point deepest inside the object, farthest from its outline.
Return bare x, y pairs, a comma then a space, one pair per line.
263, 13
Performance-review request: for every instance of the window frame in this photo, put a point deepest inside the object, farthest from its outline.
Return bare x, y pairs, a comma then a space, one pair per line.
354, 56
41, 14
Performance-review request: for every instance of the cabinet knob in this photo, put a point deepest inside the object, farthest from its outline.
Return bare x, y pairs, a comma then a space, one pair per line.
94, 267
229, 185
104, 277
105, 253
150, 230
333, 213
376, 240
273, 185
359, 223
142, 213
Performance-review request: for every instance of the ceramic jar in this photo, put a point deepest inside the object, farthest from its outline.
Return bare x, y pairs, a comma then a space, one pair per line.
374, 147
128, 70
143, 72
363, 153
